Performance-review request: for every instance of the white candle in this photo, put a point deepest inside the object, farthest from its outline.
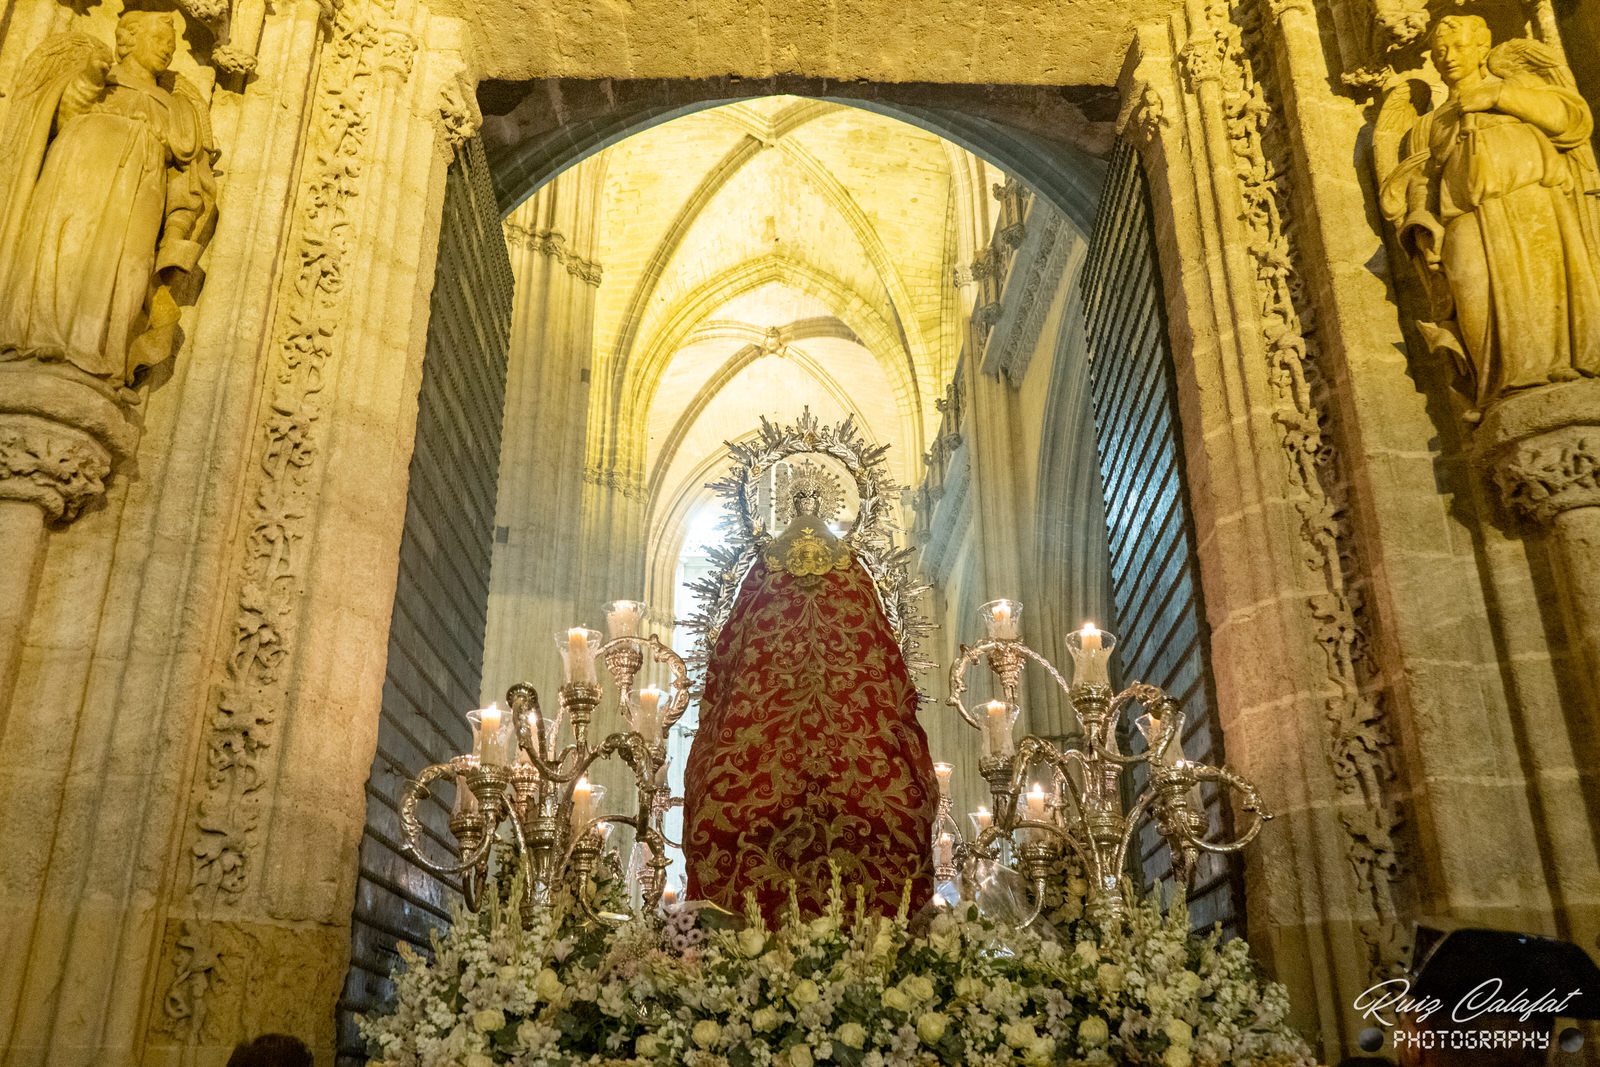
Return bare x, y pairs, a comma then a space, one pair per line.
999, 727
1003, 621
1036, 811
669, 897
1090, 657
943, 771
581, 792
580, 665
623, 617
983, 818
491, 748
1089, 637
647, 720
947, 849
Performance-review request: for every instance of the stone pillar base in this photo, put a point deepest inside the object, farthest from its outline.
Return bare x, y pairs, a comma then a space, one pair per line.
60, 434
1542, 449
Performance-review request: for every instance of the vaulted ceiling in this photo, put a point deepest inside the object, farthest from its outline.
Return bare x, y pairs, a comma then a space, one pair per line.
770, 255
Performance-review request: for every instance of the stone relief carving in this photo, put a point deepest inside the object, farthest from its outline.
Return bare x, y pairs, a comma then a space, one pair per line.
58, 468
459, 117
108, 200
1362, 745
248, 698
551, 243
1561, 470
1495, 197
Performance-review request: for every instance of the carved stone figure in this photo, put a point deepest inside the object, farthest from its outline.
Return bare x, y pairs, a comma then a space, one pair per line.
108, 199
1496, 197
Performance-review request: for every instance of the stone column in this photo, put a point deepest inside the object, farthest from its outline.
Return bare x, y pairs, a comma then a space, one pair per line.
532, 589
60, 433
1542, 450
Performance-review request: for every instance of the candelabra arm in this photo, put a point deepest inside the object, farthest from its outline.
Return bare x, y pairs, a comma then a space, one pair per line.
970, 654
411, 826
1252, 804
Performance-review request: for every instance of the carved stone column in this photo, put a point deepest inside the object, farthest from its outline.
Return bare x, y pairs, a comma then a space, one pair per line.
1542, 449
60, 434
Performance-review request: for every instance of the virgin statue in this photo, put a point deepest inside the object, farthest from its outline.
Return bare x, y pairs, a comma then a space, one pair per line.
808, 755
108, 200
1496, 197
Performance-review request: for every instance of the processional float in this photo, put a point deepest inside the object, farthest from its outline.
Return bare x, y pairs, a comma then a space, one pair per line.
525, 808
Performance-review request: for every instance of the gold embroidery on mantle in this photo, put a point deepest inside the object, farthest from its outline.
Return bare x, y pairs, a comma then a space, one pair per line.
807, 555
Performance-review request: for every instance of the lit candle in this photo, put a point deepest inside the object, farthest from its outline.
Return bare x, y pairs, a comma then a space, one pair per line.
581, 793
623, 617
942, 771
947, 849
1091, 655
491, 748
647, 720
580, 665
999, 727
669, 897
1003, 621
1036, 811
983, 818
1089, 637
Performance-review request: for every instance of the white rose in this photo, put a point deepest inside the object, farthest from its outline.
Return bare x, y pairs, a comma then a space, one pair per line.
764, 1019
1087, 951
919, 986
800, 1056
893, 998
647, 1046
1110, 977
1093, 1032
1038, 1054
1179, 1032
752, 941
853, 1035
706, 1032
488, 1020
882, 942
1176, 1056
804, 993
931, 1027
970, 989
1188, 984
547, 986
823, 925
1020, 1034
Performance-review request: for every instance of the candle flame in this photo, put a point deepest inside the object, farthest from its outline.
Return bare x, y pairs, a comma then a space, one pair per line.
1090, 629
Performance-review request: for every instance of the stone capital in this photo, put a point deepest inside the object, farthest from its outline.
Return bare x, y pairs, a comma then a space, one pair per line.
60, 434
1542, 449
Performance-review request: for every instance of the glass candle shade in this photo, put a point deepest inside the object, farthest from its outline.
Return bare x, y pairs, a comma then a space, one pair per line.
942, 772
1091, 655
624, 617
982, 819
647, 713
1002, 619
945, 850
578, 647
999, 720
1150, 727
494, 736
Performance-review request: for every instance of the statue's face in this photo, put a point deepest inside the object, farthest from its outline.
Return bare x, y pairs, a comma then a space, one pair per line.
152, 44
1458, 52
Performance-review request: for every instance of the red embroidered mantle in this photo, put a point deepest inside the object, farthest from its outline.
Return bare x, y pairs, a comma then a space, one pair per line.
808, 750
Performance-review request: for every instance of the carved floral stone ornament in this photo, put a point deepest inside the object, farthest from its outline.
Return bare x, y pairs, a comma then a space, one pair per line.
1495, 197
107, 199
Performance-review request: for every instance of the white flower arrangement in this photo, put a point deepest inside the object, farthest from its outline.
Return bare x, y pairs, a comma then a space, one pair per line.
842, 988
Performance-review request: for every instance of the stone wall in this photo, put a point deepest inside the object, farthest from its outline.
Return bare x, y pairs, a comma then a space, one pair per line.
436, 633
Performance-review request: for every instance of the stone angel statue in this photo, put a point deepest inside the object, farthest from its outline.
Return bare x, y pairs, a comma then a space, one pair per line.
1495, 196
107, 199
